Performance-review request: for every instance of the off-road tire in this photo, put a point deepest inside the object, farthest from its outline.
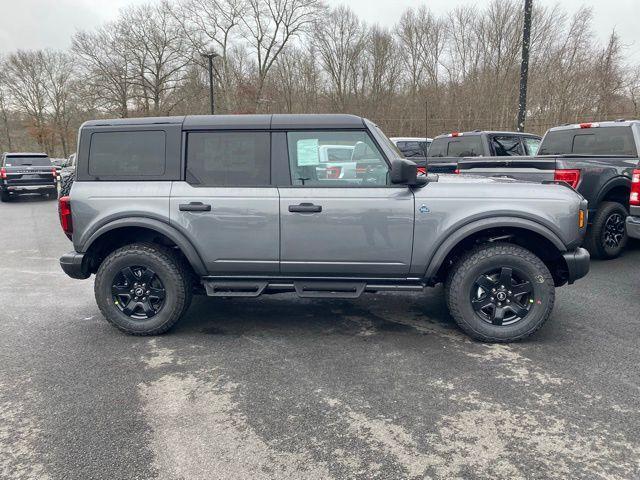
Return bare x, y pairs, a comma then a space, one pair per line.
595, 239
460, 284
65, 184
170, 269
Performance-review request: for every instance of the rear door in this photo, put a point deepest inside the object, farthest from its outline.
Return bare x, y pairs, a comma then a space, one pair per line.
227, 206
359, 226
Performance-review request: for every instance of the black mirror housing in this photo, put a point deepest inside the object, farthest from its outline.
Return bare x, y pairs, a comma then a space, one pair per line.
404, 172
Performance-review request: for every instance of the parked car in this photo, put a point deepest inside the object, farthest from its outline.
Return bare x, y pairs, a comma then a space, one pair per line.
633, 220
228, 206
27, 173
447, 149
415, 149
597, 159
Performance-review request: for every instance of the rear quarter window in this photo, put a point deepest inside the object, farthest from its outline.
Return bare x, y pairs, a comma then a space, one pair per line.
127, 154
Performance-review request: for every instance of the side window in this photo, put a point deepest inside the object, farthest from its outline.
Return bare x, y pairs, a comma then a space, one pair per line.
531, 145
228, 159
360, 163
127, 154
507, 145
412, 149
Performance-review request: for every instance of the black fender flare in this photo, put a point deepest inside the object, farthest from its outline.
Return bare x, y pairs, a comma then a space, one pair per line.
163, 228
619, 181
458, 235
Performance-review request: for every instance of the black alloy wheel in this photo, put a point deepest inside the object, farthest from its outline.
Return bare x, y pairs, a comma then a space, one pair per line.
614, 230
502, 296
138, 292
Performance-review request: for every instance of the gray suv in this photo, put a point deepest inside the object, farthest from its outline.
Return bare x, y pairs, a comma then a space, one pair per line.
233, 206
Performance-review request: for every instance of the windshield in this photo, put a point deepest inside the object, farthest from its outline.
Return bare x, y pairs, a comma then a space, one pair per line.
615, 141
26, 161
385, 139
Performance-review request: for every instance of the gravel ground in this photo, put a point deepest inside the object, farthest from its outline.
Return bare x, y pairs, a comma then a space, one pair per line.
278, 387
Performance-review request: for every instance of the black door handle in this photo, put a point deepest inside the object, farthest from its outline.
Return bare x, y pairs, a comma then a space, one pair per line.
305, 208
194, 207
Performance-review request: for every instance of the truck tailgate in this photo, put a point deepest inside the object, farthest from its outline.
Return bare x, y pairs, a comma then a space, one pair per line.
531, 169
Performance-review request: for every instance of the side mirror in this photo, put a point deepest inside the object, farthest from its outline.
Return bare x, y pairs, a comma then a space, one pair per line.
405, 172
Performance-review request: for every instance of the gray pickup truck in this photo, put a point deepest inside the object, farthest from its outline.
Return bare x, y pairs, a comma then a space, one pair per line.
27, 173
232, 206
448, 148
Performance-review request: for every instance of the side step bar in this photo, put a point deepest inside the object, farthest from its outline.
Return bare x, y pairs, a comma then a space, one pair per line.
306, 288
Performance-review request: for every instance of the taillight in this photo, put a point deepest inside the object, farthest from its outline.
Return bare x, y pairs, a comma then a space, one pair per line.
588, 125
54, 172
64, 208
570, 176
3, 173
457, 171
333, 172
634, 199
422, 170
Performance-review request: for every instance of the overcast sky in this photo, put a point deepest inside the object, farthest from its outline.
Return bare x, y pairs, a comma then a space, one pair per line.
31, 24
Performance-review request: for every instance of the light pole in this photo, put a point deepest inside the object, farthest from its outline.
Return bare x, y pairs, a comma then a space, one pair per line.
524, 66
210, 56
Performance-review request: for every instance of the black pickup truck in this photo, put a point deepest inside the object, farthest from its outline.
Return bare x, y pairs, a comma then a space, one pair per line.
596, 159
27, 173
447, 149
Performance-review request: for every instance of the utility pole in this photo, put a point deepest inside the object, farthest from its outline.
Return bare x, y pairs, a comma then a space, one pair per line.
210, 56
524, 66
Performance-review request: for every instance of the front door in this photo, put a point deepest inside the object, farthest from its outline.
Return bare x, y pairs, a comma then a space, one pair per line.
338, 225
226, 206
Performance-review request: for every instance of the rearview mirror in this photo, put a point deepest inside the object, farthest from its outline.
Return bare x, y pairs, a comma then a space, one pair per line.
405, 172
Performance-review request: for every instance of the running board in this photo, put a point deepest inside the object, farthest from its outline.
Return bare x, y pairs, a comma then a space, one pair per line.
304, 288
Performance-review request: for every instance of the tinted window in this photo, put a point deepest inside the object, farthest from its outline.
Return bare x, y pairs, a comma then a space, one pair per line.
25, 161
438, 147
531, 145
413, 149
136, 154
590, 141
465, 146
506, 145
228, 159
366, 167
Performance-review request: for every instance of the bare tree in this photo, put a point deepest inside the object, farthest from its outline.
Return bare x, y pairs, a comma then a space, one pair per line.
270, 25
107, 63
208, 24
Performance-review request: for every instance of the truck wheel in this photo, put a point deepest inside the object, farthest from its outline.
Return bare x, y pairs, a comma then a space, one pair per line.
607, 236
143, 289
500, 292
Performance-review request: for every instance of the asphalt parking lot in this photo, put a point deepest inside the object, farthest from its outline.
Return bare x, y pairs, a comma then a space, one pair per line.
278, 387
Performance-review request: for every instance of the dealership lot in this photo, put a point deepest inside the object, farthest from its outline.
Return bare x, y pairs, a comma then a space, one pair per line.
278, 387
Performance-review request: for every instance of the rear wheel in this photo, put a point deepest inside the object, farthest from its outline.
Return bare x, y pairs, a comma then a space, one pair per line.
500, 293
143, 289
607, 237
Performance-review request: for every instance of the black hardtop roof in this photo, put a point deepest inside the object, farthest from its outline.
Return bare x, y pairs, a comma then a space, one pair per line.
241, 122
489, 132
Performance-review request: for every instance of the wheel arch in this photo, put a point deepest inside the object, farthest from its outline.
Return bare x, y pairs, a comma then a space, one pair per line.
617, 189
526, 233
122, 231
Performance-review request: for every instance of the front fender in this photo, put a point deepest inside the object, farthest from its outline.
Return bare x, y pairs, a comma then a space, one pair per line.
455, 237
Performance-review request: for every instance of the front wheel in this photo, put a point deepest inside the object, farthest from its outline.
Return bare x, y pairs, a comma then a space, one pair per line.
500, 292
143, 289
